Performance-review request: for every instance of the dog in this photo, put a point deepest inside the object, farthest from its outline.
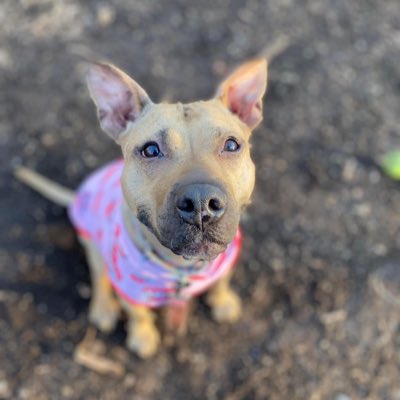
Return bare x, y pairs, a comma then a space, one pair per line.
162, 225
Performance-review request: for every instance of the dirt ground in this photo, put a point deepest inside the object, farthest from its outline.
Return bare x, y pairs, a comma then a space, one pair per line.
319, 274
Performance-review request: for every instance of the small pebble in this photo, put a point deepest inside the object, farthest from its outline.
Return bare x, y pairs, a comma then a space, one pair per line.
105, 15
5, 391
129, 381
342, 396
67, 391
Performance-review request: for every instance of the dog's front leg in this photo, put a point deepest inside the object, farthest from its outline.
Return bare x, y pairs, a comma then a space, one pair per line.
225, 304
143, 336
104, 310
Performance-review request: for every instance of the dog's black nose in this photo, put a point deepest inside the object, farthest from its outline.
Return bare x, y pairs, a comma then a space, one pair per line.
200, 204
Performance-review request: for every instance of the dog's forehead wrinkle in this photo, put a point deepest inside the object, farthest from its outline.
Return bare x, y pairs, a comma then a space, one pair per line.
162, 135
189, 112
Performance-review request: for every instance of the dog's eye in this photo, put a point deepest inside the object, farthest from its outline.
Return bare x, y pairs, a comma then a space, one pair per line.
150, 150
231, 145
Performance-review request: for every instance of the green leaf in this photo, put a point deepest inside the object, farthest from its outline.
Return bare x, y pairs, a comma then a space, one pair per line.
390, 164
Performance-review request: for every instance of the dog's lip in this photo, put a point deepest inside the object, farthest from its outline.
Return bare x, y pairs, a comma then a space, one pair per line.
205, 250
212, 240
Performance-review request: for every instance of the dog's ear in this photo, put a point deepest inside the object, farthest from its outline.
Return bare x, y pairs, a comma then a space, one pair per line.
243, 90
119, 99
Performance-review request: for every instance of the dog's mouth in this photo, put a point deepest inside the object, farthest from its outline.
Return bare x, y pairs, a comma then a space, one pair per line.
196, 245
205, 250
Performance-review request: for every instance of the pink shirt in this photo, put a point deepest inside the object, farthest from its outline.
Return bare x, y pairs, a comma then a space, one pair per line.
96, 214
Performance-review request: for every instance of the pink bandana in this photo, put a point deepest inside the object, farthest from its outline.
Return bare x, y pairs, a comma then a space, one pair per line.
96, 214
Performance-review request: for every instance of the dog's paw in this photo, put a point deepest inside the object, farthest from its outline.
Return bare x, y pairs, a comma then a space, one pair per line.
226, 306
104, 318
143, 340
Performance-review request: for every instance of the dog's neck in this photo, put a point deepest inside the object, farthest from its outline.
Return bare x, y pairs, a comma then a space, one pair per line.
147, 243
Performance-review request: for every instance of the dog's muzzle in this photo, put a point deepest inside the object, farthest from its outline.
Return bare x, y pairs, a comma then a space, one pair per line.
198, 220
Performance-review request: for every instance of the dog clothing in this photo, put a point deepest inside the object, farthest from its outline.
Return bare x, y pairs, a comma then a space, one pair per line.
96, 215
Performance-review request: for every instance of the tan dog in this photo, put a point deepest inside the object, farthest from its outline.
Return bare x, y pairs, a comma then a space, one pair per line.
187, 176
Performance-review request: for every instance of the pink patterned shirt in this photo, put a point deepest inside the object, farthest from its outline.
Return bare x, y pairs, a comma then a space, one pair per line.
96, 215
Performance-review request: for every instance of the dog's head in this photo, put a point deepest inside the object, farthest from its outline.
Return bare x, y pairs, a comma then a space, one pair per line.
188, 172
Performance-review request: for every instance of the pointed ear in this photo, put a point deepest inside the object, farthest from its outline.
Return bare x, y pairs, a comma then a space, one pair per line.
243, 90
119, 99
